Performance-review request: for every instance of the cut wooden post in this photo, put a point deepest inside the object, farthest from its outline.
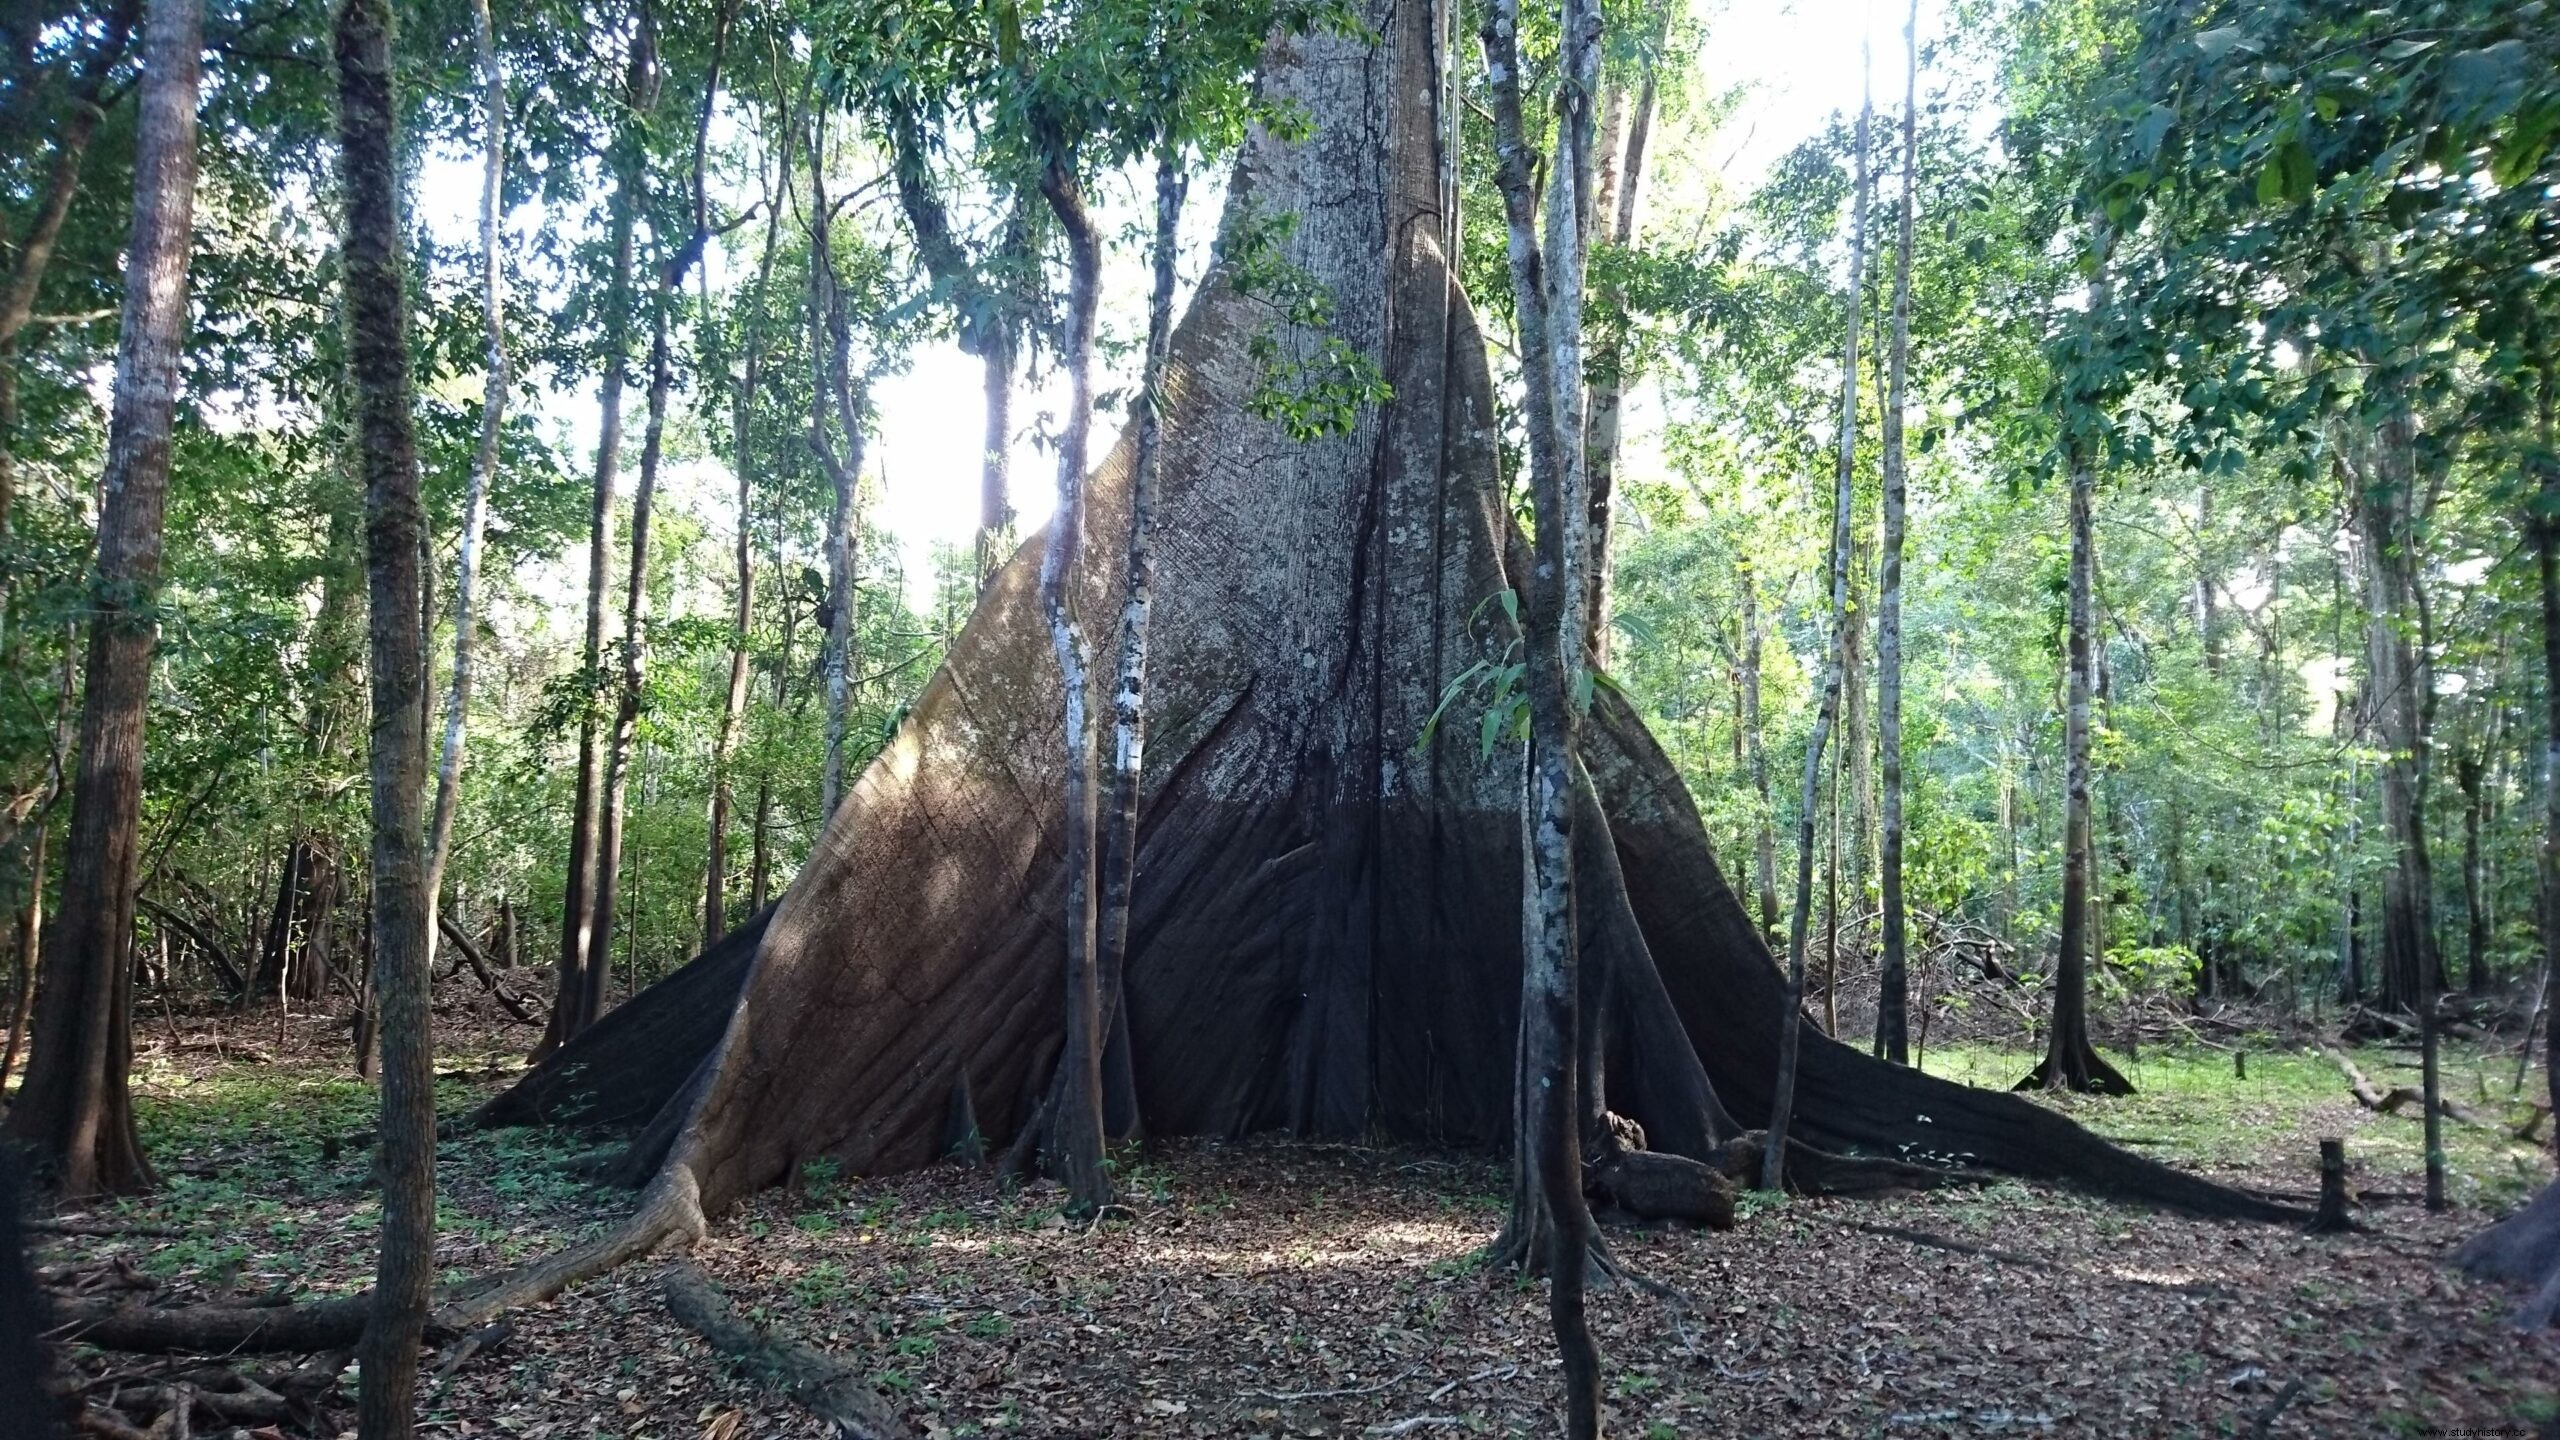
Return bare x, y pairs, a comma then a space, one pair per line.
2332, 1218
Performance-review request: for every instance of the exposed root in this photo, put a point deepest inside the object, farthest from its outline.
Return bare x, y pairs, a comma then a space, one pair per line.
670, 1212
2523, 1249
1650, 1185
1809, 1171
2079, 1069
825, 1385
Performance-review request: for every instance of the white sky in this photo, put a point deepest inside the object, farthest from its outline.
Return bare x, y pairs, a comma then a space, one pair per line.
1797, 61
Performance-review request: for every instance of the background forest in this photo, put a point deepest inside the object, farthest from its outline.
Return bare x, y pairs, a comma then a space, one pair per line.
2238, 747
2082, 516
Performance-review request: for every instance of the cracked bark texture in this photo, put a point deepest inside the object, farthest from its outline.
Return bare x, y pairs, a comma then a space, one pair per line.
1324, 935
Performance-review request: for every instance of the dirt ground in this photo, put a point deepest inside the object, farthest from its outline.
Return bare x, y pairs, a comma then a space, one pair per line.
1263, 1288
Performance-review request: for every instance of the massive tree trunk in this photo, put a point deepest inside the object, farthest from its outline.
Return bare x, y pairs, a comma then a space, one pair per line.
386, 455
1893, 1026
75, 1112
1326, 939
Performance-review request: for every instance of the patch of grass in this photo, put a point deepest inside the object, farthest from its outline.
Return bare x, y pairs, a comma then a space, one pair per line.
2191, 1108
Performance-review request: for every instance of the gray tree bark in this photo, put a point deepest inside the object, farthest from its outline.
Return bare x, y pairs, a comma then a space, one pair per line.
1809, 799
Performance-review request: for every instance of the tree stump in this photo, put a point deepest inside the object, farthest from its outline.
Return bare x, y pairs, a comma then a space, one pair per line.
2332, 1218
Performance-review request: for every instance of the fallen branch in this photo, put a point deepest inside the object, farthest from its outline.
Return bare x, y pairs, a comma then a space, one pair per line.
76, 1225
480, 968
825, 1385
669, 1211
2390, 1102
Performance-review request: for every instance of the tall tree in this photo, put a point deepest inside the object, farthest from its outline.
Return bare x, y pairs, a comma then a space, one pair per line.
1546, 295
1619, 185
835, 401
1075, 1128
574, 1004
75, 1110
1764, 838
2070, 1061
676, 262
377, 312
1118, 826
82, 113
1809, 799
733, 705
484, 462
1893, 1028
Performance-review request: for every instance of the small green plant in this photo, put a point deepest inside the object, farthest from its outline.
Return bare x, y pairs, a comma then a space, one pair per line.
818, 1176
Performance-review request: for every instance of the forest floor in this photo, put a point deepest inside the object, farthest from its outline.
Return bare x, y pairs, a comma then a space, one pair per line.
1272, 1289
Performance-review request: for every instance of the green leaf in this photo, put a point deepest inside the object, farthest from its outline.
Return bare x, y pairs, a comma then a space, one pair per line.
2220, 41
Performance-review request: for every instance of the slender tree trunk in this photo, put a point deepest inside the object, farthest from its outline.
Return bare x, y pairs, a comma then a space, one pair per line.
1764, 844
1547, 306
571, 1008
1831, 892
831, 352
2544, 526
2071, 1062
25, 277
402, 906
1075, 1126
635, 597
484, 465
1893, 1022
1608, 378
1118, 828
2469, 773
30, 921
733, 705
1809, 807
75, 1112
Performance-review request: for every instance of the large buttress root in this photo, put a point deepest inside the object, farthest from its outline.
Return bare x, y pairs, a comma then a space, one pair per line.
1326, 937
2524, 1250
